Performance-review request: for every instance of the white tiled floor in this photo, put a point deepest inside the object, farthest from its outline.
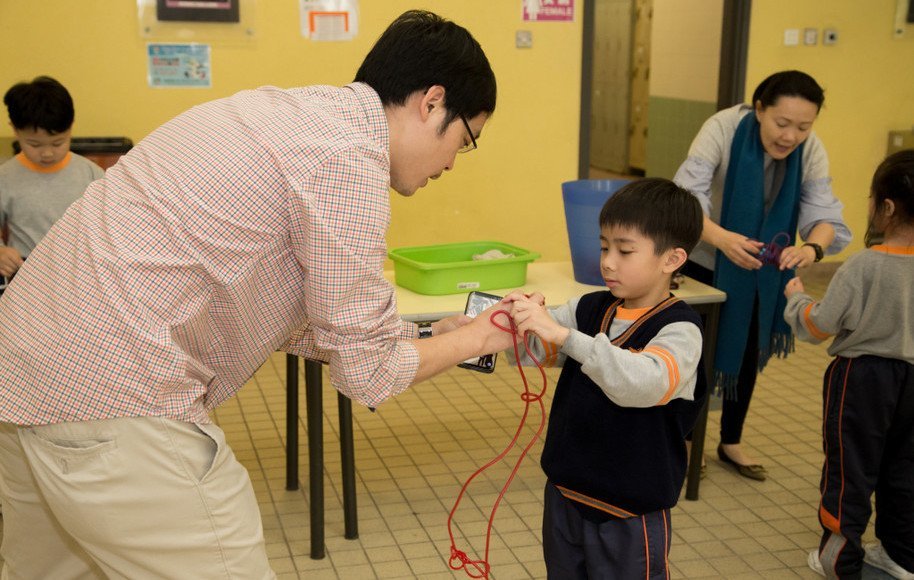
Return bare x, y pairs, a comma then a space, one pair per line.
414, 453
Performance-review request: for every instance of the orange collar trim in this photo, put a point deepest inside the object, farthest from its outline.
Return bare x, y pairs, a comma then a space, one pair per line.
896, 250
27, 163
623, 313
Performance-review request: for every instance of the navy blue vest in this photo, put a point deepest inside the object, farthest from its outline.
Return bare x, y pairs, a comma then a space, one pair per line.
619, 461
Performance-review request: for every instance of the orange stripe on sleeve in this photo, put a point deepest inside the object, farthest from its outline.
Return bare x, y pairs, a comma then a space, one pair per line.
810, 325
552, 353
672, 371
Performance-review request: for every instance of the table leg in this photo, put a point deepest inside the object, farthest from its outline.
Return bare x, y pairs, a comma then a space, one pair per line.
291, 422
347, 456
711, 315
313, 396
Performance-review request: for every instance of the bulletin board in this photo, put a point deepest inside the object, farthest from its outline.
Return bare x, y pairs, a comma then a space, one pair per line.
212, 21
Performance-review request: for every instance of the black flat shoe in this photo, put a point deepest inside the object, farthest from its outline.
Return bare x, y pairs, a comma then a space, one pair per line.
754, 471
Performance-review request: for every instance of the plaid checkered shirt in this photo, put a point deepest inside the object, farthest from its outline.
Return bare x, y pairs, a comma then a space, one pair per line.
243, 226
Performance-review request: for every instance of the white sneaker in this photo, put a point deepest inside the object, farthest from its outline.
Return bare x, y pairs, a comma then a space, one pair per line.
876, 556
814, 563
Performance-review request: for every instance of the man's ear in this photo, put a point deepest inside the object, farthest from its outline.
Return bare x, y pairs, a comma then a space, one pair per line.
432, 99
674, 260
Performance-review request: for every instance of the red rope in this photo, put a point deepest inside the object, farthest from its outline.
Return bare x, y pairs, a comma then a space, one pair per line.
459, 559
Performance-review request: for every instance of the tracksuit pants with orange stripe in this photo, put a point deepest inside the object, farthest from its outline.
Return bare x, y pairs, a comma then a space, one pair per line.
576, 548
868, 439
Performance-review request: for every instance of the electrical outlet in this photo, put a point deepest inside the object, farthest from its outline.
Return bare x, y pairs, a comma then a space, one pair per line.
829, 36
791, 37
810, 36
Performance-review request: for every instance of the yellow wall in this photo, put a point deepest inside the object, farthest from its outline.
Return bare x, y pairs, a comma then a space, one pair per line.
508, 190
868, 79
685, 49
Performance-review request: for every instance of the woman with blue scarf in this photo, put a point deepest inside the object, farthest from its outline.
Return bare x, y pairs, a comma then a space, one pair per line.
761, 176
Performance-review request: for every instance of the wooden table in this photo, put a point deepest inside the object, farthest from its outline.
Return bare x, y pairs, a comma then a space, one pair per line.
555, 281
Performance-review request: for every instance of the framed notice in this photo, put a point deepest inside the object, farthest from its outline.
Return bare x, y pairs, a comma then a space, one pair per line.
178, 65
332, 20
548, 10
198, 10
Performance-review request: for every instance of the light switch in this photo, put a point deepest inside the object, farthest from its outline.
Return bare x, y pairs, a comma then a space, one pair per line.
523, 39
810, 36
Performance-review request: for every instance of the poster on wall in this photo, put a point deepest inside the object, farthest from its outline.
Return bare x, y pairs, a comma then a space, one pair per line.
548, 10
178, 65
198, 10
329, 19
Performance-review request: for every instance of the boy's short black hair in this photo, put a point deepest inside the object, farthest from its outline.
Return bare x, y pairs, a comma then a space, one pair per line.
660, 210
43, 103
420, 49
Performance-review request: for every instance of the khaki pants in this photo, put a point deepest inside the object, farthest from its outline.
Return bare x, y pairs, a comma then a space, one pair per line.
127, 498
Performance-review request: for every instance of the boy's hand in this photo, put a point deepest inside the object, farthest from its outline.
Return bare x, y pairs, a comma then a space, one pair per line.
10, 260
794, 286
530, 316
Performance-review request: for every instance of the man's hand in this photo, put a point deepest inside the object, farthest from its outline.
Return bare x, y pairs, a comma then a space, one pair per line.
496, 339
10, 260
450, 323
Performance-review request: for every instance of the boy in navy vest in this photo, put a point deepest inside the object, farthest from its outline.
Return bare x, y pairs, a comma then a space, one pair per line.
630, 390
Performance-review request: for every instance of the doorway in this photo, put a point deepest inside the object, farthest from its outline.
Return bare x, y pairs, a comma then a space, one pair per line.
619, 91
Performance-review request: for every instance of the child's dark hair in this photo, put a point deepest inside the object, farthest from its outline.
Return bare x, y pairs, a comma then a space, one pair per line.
894, 179
420, 49
660, 210
43, 103
788, 83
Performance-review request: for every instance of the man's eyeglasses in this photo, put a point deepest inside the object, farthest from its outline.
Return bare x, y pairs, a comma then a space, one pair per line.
472, 144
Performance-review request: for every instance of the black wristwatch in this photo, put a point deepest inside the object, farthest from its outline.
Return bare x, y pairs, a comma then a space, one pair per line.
817, 249
425, 329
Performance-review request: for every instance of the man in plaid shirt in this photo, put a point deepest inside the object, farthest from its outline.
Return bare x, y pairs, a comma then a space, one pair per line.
244, 225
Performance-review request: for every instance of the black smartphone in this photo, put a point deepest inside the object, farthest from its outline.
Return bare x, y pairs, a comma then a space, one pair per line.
476, 303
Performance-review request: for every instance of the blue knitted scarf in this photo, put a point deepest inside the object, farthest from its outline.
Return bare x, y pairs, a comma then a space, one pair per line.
743, 211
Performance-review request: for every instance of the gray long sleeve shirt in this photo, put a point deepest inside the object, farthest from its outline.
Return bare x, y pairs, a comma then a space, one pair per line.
868, 307
32, 201
666, 369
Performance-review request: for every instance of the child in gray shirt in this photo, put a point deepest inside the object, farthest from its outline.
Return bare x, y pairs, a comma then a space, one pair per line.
39, 184
868, 433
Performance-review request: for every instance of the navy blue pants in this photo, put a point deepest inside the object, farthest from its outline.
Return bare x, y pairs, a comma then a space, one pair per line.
576, 548
868, 439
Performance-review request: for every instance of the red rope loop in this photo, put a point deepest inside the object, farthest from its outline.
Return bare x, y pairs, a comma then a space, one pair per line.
459, 559
482, 567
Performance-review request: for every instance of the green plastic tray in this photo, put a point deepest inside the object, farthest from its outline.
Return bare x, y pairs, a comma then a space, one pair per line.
451, 269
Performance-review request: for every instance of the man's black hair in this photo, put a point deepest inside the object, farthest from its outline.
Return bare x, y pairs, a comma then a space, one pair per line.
420, 49
43, 103
660, 210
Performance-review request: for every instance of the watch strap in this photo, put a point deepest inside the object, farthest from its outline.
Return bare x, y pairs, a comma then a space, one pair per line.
820, 253
425, 329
